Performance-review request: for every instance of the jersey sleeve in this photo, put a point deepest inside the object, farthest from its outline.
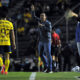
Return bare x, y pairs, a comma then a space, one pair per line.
11, 26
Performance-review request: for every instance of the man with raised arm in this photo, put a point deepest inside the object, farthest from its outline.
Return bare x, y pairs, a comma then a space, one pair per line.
44, 45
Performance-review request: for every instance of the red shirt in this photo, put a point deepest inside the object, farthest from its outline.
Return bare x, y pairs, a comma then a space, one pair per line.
55, 38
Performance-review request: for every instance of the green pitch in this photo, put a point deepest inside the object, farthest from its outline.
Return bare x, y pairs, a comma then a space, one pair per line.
41, 76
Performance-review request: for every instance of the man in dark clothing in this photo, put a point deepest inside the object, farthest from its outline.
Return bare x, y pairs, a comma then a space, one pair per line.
44, 46
56, 44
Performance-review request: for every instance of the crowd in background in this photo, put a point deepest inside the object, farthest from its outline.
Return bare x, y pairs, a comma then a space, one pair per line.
25, 23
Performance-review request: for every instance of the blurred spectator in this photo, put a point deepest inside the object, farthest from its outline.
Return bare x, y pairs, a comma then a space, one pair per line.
63, 5
67, 53
58, 31
27, 16
5, 2
0, 4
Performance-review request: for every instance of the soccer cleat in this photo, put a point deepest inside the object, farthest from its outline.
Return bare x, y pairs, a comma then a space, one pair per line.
2, 69
2, 72
5, 73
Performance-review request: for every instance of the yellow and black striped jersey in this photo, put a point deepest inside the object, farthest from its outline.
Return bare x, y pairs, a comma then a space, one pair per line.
5, 28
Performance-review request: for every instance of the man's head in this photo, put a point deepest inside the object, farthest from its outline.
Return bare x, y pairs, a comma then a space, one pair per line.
3, 12
43, 17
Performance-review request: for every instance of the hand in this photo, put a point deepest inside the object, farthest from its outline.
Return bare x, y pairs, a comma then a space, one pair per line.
14, 46
40, 25
32, 8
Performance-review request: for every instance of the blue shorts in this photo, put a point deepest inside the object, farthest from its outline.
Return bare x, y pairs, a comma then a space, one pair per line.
5, 49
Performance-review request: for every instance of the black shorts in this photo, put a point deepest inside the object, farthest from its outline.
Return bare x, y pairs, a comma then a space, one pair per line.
54, 51
5, 49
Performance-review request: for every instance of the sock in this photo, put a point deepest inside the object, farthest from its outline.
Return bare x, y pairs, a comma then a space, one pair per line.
7, 62
1, 62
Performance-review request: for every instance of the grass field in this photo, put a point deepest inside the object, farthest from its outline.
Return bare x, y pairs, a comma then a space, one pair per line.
40, 76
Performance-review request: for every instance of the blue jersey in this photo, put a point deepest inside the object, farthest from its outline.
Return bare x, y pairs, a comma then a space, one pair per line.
45, 30
78, 32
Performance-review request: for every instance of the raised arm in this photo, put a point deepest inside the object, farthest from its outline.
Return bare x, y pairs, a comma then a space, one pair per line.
33, 13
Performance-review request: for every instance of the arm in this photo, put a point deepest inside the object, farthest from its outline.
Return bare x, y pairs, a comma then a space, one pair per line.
13, 39
47, 27
59, 43
33, 13
52, 39
77, 33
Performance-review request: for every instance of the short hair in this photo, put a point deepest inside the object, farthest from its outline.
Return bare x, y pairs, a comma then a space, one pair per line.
43, 14
3, 12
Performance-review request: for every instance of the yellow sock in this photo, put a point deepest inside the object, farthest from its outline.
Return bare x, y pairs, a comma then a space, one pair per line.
7, 62
1, 62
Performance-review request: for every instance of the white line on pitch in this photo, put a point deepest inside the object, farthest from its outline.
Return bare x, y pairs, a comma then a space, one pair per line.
77, 77
32, 76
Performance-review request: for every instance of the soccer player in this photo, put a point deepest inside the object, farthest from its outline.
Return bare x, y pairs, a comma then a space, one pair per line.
6, 29
44, 45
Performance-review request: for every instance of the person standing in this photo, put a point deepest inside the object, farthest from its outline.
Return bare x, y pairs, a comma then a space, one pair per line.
6, 29
78, 34
56, 48
44, 45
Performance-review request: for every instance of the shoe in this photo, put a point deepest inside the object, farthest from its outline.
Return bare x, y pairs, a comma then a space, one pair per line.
2, 69
45, 70
50, 72
5, 73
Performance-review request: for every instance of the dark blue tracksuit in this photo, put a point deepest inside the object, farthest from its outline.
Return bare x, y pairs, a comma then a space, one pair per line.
78, 32
44, 46
78, 37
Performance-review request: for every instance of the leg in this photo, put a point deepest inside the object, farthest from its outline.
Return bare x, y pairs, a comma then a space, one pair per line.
7, 62
7, 50
1, 60
1, 64
60, 62
1, 53
47, 50
41, 54
56, 58
78, 46
53, 58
